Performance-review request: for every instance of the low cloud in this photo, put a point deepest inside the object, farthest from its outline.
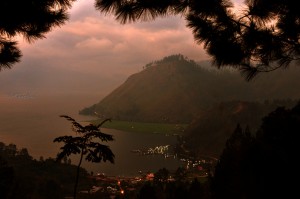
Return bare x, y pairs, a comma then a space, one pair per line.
98, 46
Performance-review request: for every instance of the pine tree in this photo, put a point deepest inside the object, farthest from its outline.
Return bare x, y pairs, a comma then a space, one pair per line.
31, 19
262, 36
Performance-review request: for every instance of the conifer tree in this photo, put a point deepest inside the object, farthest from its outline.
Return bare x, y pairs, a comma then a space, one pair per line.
31, 19
261, 37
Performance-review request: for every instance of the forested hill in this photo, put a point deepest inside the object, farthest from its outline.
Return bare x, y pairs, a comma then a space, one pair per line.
176, 89
208, 133
21, 176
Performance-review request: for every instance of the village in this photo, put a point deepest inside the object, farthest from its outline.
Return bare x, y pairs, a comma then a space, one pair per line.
118, 186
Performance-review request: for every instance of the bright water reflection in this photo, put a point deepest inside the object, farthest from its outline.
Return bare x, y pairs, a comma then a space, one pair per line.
129, 163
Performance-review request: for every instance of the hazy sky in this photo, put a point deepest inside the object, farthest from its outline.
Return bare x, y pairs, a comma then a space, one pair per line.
95, 53
75, 66
95, 49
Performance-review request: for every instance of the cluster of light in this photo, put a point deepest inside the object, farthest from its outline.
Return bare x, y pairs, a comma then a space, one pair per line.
158, 150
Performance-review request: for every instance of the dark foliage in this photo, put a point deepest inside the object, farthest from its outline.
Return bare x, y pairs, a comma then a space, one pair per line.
236, 172
263, 166
6, 178
31, 19
158, 189
147, 192
85, 145
23, 177
207, 134
195, 190
262, 37
161, 176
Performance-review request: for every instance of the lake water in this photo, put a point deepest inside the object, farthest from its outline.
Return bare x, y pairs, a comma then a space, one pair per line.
33, 123
129, 163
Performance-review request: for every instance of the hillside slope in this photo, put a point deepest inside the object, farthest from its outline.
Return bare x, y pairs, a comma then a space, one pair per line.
208, 133
176, 89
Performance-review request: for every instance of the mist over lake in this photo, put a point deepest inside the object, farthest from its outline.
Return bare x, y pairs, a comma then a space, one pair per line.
33, 122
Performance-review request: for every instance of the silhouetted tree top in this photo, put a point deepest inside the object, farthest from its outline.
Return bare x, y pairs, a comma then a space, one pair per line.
84, 143
87, 143
254, 166
260, 37
31, 19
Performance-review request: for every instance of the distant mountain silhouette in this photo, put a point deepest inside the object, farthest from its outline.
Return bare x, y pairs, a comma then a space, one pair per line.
176, 89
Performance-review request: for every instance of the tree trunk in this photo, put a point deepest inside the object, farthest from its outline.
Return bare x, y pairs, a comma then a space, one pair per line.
77, 175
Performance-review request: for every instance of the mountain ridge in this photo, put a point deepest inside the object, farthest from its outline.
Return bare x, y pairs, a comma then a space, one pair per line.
176, 89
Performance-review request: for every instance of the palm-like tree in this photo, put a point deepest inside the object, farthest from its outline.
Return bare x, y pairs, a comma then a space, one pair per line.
85, 145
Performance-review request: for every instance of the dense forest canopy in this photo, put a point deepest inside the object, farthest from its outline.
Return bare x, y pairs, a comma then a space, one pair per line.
263, 165
21, 176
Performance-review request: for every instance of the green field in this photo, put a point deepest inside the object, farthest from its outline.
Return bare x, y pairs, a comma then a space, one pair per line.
141, 127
